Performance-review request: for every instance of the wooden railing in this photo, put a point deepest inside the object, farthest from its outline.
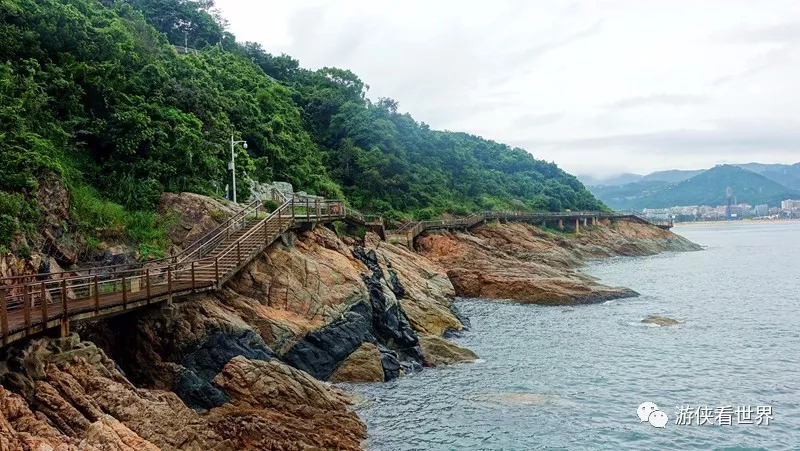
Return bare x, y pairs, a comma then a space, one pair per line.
409, 231
29, 304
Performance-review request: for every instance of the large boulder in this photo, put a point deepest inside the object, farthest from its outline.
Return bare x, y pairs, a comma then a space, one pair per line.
439, 351
194, 215
362, 365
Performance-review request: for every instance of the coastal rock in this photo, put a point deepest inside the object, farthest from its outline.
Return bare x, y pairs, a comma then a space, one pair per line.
274, 384
298, 288
524, 263
294, 410
75, 404
438, 351
660, 321
427, 289
321, 351
363, 365
195, 214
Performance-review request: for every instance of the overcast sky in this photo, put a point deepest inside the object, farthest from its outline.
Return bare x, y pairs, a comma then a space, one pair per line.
599, 87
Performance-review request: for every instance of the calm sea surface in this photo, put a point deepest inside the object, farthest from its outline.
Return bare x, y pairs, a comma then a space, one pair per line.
573, 377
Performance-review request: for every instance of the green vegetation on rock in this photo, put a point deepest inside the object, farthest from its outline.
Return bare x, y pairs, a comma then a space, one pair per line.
95, 93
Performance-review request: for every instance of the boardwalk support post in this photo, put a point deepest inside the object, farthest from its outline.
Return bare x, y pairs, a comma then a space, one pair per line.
124, 294
64, 309
96, 295
43, 295
216, 271
193, 280
4, 315
147, 283
169, 284
26, 308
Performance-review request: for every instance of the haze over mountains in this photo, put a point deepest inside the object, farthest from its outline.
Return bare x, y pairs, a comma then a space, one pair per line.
752, 183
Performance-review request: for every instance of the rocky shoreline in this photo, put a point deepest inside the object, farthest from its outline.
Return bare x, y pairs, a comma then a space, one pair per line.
249, 367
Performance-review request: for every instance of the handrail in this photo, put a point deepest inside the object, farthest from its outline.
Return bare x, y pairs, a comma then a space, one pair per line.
241, 214
413, 228
174, 258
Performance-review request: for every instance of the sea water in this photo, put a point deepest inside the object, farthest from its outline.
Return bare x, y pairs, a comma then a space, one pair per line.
573, 377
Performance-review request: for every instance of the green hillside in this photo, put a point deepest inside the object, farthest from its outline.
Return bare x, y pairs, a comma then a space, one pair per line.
671, 176
785, 174
625, 197
706, 188
94, 92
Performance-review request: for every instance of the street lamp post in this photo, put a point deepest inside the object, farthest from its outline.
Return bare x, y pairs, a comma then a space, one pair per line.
233, 162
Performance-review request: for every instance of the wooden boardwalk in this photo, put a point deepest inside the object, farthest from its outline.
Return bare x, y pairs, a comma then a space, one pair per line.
33, 303
575, 219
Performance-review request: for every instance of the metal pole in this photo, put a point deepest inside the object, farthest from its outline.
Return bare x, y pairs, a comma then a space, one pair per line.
233, 167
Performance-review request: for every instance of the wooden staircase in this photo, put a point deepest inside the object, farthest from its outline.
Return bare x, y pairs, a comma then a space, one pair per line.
30, 304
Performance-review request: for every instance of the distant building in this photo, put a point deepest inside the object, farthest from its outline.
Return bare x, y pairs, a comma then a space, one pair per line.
790, 204
762, 210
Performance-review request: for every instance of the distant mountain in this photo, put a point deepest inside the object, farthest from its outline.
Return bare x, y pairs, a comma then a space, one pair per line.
706, 188
785, 174
671, 176
623, 197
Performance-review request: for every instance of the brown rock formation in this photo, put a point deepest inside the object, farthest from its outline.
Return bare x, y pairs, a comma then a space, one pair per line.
194, 214
525, 263
75, 404
439, 351
428, 289
363, 365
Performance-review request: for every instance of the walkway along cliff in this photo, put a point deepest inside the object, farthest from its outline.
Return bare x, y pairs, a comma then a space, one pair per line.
232, 358
30, 304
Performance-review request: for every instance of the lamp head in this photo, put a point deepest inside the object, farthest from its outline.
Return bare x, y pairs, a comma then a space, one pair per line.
245, 145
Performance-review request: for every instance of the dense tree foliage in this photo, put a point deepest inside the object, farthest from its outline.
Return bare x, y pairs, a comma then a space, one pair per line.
93, 91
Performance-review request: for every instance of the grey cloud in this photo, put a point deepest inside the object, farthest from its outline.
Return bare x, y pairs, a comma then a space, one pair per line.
536, 120
538, 50
732, 137
760, 63
658, 99
785, 32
